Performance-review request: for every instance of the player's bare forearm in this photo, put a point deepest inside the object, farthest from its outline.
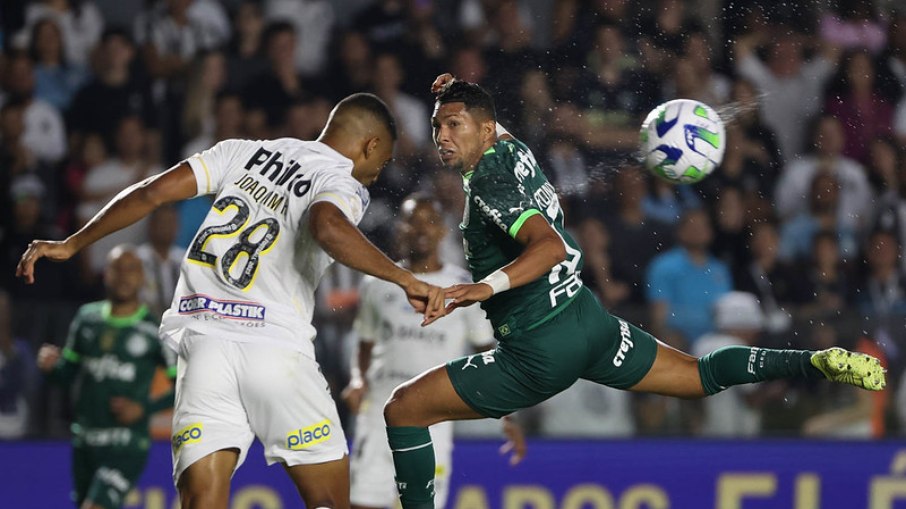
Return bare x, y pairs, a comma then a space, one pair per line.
130, 205
136, 202
345, 243
543, 250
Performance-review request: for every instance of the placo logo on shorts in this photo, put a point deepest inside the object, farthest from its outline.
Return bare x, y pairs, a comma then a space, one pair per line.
233, 309
303, 438
188, 435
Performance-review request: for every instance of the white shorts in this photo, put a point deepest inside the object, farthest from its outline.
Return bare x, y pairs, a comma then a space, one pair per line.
371, 462
228, 393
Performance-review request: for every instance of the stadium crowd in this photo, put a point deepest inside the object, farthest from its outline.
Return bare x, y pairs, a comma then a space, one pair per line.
794, 242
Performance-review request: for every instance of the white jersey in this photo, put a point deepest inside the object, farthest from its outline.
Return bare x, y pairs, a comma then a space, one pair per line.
402, 347
251, 271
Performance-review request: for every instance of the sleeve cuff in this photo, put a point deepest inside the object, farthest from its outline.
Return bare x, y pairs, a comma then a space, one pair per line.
339, 200
202, 174
514, 229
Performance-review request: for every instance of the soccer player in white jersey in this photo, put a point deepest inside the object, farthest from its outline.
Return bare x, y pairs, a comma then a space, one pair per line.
241, 316
392, 348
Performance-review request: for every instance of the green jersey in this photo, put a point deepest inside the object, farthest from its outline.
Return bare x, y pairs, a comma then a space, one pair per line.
506, 188
112, 356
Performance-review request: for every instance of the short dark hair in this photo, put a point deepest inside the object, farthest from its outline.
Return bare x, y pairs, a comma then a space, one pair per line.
373, 105
473, 96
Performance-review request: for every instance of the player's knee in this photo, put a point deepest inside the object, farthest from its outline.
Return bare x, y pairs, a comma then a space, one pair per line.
395, 408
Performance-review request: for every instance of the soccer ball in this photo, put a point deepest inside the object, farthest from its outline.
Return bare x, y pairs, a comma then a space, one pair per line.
682, 141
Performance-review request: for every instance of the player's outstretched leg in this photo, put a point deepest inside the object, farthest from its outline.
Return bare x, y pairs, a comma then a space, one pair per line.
425, 400
323, 485
853, 368
675, 373
206, 483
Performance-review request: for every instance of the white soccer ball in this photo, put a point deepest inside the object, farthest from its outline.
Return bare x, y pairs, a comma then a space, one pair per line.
682, 141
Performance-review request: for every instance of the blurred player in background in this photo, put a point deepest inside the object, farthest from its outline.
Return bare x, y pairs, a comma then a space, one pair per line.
551, 330
392, 348
241, 315
114, 348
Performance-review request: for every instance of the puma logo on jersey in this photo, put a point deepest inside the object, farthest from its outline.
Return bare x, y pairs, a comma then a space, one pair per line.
237, 310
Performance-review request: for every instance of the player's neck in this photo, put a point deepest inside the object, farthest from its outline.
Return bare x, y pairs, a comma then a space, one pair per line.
424, 265
124, 308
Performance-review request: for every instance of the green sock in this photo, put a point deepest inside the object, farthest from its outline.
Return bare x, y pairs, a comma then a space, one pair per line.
736, 365
413, 458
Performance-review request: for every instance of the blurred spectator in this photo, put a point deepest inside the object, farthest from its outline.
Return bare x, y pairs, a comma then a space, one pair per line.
791, 85
684, 283
613, 93
313, 21
595, 241
636, 238
115, 92
80, 21
854, 24
567, 166
17, 376
305, 119
353, 66
731, 233
752, 160
882, 166
736, 411
228, 118
27, 193
854, 210
161, 259
411, 114
129, 165
45, 134
822, 283
667, 202
697, 50
172, 32
383, 22
767, 277
858, 102
535, 105
823, 214
246, 48
56, 79
16, 157
468, 63
510, 55
86, 155
447, 187
207, 77
277, 87
587, 410
883, 291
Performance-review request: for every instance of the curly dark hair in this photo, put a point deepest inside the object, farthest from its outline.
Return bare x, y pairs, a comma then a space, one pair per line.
473, 96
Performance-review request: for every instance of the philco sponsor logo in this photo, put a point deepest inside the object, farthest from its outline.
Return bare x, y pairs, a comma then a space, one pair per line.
625, 344
303, 438
236, 310
188, 435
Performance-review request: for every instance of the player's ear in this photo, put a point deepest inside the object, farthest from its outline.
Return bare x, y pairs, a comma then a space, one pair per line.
489, 129
371, 145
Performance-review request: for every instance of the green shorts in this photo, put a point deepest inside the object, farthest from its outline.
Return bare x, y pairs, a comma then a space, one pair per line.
582, 341
105, 475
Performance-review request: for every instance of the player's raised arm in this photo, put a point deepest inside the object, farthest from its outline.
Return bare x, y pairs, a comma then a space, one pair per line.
344, 242
129, 206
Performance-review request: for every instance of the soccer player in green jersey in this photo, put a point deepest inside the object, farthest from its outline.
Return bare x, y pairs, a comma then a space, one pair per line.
551, 330
114, 348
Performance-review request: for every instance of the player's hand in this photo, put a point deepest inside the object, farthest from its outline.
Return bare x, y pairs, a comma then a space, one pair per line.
441, 82
426, 299
57, 251
353, 395
515, 444
125, 410
48, 356
466, 295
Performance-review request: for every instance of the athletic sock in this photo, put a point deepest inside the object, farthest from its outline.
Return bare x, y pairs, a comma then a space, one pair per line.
413, 458
736, 365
